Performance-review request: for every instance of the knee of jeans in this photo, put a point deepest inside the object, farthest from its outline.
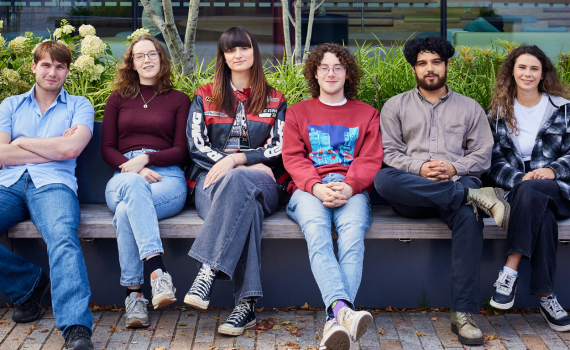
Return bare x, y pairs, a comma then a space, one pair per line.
529, 186
132, 181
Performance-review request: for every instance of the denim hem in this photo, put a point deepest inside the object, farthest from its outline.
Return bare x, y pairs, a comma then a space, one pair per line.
29, 294
145, 255
257, 294
541, 291
89, 326
519, 251
213, 265
129, 284
473, 309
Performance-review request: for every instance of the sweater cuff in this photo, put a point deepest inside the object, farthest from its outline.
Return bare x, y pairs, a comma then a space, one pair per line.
558, 169
308, 187
356, 188
460, 169
151, 158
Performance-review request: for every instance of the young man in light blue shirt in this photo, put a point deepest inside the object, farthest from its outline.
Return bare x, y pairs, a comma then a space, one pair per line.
41, 134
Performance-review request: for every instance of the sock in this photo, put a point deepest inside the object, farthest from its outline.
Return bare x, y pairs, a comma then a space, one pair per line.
510, 271
337, 305
155, 263
129, 291
206, 266
465, 194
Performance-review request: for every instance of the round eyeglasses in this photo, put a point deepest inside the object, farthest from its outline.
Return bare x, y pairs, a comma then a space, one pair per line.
151, 55
325, 70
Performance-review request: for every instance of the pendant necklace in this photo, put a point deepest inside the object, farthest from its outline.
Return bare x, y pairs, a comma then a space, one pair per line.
146, 103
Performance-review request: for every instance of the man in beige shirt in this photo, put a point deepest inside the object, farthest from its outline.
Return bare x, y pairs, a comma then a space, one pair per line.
436, 145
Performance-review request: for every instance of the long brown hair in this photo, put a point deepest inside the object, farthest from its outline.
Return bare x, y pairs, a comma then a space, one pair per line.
127, 80
502, 104
222, 94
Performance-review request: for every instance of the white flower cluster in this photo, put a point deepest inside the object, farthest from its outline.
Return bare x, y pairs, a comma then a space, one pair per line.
2, 41
86, 29
1, 24
86, 66
66, 29
137, 33
10, 75
93, 46
19, 46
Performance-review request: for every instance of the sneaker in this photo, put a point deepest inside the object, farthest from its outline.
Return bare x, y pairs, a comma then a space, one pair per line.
356, 322
554, 314
199, 294
162, 289
492, 201
78, 338
335, 337
136, 312
463, 324
504, 295
30, 309
242, 318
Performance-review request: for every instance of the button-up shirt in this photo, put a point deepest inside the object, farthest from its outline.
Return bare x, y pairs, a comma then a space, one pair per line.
455, 130
20, 116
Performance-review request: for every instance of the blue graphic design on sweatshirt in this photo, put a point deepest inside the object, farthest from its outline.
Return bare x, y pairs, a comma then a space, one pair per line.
332, 144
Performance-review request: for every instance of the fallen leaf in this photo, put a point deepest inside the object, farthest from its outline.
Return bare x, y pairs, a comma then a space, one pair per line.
216, 318
259, 309
144, 335
287, 322
44, 331
150, 329
490, 337
420, 334
206, 333
389, 309
381, 332
277, 326
453, 339
182, 324
305, 307
434, 318
161, 348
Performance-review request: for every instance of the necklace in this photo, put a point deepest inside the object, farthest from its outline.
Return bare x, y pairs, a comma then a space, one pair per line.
146, 103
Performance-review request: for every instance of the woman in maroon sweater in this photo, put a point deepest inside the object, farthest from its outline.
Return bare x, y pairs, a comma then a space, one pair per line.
144, 140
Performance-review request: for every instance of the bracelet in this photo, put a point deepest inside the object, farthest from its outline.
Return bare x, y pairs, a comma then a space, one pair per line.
229, 155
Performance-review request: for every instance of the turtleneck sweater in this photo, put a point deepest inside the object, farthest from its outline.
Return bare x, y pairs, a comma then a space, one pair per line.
128, 126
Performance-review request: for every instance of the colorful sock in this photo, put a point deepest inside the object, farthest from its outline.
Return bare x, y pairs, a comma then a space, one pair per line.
129, 291
337, 305
510, 271
155, 263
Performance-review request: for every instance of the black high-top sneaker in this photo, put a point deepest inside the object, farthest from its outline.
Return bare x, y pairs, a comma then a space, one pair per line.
78, 338
199, 294
31, 309
505, 288
242, 318
554, 314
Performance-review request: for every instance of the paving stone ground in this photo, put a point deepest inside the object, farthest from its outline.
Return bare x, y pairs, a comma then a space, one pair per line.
178, 329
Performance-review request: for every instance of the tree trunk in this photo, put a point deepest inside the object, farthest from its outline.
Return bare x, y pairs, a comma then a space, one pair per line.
310, 27
191, 27
298, 39
286, 33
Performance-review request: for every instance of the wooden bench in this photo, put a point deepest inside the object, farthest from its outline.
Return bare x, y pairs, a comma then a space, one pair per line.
96, 222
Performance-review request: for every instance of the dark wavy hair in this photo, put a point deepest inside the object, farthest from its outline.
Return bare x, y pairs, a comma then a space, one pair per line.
434, 44
353, 72
502, 103
127, 80
222, 92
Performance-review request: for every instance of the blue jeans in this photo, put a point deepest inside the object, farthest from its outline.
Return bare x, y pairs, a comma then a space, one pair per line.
336, 279
54, 209
138, 205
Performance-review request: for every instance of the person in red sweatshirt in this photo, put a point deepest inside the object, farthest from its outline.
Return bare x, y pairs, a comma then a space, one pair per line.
332, 149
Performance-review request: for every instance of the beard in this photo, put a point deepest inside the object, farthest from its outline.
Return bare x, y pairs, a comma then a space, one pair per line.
432, 85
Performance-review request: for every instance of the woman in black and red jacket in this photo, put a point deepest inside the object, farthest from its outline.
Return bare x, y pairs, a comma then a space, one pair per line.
235, 132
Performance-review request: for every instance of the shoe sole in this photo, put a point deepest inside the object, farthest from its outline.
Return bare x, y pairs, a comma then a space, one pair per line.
45, 293
502, 306
362, 322
234, 330
137, 323
196, 302
553, 326
163, 302
337, 341
507, 214
464, 341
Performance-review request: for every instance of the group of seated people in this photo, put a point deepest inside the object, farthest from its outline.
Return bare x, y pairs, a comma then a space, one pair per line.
242, 147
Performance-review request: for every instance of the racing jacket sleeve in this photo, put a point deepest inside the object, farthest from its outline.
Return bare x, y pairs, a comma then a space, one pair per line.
201, 151
270, 153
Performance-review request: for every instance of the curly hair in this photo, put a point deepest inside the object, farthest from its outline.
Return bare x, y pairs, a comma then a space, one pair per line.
127, 80
502, 103
435, 44
353, 72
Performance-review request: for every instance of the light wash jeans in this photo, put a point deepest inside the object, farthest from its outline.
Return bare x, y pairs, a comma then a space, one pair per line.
336, 279
54, 209
138, 205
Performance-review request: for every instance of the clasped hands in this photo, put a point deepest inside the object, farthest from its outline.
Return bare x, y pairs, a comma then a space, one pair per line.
540, 174
333, 194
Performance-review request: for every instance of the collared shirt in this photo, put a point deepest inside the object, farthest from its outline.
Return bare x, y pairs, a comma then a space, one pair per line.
455, 130
20, 116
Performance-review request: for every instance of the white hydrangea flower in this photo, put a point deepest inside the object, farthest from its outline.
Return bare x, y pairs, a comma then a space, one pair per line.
2, 41
86, 66
93, 46
68, 29
137, 33
57, 33
19, 46
1, 24
10, 75
86, 29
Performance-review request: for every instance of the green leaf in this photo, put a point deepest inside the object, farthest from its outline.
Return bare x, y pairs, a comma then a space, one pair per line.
182, 324
9, 65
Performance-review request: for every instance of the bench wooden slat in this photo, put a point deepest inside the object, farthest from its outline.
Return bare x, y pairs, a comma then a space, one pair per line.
96, 222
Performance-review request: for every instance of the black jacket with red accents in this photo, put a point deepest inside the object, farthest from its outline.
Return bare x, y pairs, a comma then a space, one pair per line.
208, 130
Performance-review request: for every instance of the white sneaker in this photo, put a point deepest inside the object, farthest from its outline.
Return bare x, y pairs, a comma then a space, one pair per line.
335, 337
136, 311
356, 322
162, 289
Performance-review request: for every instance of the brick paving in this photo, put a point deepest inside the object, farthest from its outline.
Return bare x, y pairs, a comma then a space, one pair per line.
178, 329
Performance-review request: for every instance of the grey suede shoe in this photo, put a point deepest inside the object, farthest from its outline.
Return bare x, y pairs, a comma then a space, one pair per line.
468, 333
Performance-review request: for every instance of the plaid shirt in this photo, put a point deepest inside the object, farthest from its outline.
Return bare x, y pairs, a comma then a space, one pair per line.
551, 149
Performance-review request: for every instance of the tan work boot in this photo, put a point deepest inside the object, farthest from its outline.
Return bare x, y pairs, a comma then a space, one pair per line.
492, 201
466, 328
335, 337
356, 322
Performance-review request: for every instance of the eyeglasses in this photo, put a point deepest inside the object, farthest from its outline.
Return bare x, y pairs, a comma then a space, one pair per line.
325, 70
151, 55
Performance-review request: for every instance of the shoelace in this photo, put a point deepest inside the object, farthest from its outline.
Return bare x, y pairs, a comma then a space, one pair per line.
203, 283
468, 319
76, 333
162, 283
481, 204
135, 305
554, 308
505, 283
240, 312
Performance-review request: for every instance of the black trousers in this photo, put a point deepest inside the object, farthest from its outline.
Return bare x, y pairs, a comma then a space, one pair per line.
533, 230
415, 197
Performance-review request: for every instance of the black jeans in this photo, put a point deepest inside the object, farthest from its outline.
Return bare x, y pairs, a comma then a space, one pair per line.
533, 230
415, 197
